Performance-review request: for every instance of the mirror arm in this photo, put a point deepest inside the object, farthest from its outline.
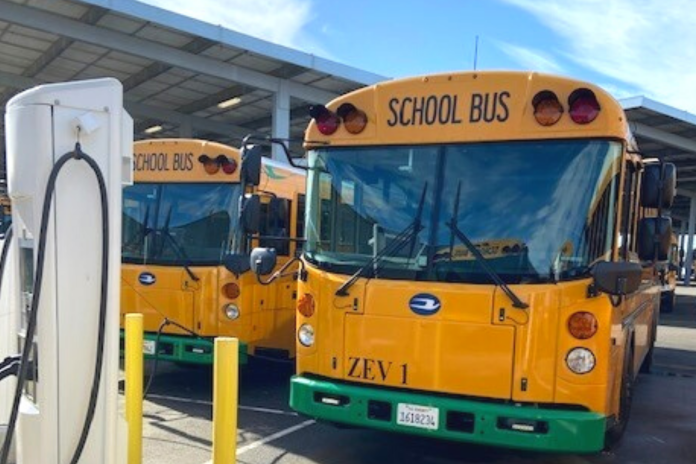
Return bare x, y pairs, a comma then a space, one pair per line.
301, 273
265, 139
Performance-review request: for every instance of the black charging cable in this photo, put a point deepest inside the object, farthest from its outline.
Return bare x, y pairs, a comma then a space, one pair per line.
76, 155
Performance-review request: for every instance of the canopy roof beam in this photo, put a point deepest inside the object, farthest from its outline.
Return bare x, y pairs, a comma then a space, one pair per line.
76, 30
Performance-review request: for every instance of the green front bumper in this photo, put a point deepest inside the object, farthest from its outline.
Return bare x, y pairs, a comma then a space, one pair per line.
463, 420
185, 349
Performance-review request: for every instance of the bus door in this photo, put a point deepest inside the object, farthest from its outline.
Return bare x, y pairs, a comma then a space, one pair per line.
275, 304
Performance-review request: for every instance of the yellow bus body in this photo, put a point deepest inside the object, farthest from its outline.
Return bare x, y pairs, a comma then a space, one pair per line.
196, 309
494, 373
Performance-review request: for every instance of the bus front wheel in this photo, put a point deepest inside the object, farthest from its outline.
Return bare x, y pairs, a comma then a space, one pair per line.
667, 300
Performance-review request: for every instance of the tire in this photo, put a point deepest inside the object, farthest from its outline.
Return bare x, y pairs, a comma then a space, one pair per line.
615, 433
646, 367
667, 300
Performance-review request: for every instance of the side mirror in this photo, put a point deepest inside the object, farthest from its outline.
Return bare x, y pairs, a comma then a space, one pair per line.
659, 180
617, 279
251, 164
237, 264
263, 261
250, 216
654, 238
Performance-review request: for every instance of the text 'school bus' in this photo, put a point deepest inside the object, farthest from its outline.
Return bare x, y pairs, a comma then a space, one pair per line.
181, 227
480, 261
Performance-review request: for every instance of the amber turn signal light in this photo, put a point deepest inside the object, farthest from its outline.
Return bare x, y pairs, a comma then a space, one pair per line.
547, 109
582, 325
305, 305
231, 290
354, 120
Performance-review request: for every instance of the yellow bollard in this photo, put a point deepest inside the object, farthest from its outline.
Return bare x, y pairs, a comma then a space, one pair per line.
225, 391
134, 387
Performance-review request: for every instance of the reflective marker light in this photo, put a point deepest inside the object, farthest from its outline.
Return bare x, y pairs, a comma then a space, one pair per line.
547, 109
231, 290
327, 121
580, 360
584, 106
305, 305
354, 120
231, 311
582, 325
306, 335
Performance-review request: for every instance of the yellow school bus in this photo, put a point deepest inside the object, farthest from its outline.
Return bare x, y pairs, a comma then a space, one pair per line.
183, 229
533, 336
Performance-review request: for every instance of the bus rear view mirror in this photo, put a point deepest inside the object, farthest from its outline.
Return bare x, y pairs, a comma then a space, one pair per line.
617, 279
251, 214
237, 264
263, 261
654, 238
659, 182
251, 164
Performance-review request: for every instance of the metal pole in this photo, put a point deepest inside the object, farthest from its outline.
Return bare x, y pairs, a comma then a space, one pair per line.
134, 387
225, 392
689, 259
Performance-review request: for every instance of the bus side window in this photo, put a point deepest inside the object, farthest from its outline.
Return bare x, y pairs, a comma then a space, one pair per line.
275, 225
300, 226
629, 211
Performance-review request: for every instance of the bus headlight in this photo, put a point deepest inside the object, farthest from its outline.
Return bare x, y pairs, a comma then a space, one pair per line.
232, 311
306, 335
580, 360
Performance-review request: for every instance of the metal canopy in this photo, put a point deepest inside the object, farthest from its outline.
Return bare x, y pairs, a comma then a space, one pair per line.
175, 70
669, 134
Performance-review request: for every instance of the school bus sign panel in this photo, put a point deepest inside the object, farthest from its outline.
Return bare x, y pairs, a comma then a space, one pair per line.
461, 108
179, 161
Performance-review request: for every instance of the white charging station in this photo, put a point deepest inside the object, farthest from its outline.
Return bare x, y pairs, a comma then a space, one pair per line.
42, 124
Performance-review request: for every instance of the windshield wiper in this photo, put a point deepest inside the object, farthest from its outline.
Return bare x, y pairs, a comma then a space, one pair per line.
408, 235
454, 228
185, 261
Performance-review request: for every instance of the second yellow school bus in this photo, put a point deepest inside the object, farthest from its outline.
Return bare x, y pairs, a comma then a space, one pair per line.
181, 222
480, 261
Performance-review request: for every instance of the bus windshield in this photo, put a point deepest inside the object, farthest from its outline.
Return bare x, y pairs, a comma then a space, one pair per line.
176, 224
538, 211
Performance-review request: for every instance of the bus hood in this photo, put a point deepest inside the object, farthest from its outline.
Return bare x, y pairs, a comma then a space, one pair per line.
459, 339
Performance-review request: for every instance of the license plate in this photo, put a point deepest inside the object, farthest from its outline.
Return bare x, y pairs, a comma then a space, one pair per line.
149, 346
413, 415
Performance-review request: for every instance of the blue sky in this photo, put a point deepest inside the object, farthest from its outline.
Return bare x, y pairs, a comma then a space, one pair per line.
630, 47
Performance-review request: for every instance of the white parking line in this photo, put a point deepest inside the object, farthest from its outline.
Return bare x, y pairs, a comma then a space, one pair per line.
279, 412
271, 437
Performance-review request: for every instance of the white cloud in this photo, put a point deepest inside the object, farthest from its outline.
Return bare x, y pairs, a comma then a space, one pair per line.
618, 91
532, 59
280, 21
647, 44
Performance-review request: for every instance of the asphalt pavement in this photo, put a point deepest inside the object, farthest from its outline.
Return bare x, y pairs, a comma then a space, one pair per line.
178, 413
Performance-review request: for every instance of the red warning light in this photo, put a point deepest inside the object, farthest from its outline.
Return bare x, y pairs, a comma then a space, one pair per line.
327, 121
